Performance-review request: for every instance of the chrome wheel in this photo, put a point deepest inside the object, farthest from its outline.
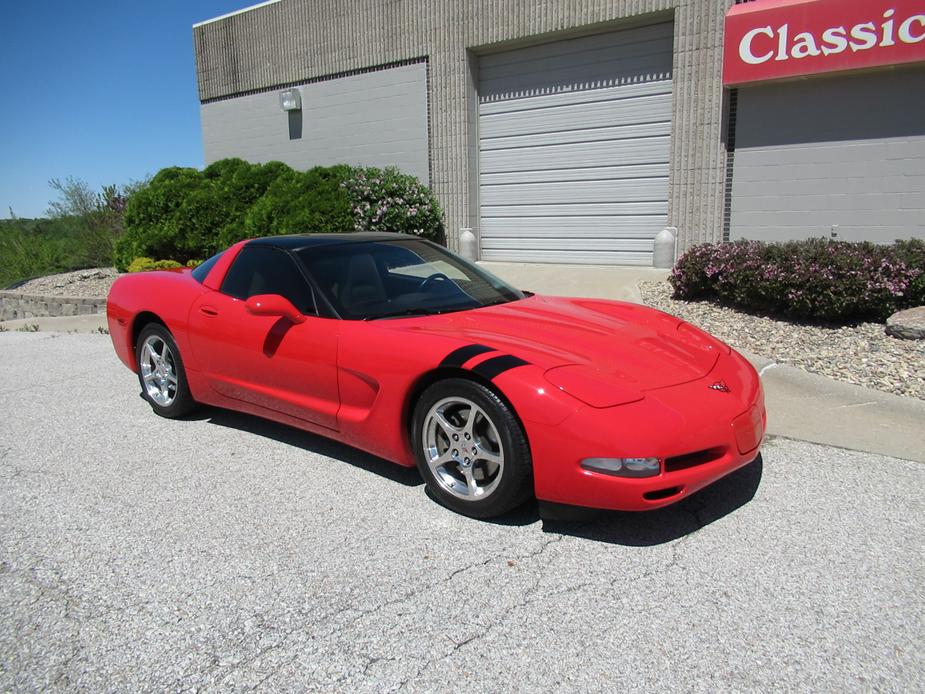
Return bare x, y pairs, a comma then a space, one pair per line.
158, 371
462, 448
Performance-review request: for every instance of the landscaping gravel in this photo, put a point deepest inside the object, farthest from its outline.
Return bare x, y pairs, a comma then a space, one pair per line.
861, 354
90, 283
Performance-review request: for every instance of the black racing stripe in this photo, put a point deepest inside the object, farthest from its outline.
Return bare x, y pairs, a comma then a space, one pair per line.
498, 365
460, 356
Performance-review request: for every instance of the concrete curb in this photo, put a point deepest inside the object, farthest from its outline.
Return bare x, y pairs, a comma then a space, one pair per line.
809, 407
60, 324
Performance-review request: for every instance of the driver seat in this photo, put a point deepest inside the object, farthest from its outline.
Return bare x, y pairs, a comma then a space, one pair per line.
363, 284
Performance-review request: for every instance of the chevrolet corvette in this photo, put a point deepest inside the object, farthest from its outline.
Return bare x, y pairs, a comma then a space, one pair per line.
396, 346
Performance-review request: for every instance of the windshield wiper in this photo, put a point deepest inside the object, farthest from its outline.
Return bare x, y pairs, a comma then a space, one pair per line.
417, 311
497, 302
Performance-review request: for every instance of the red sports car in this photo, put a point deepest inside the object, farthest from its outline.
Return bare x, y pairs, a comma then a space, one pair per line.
394, 345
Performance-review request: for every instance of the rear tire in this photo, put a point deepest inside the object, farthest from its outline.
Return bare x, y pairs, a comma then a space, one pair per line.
470, 449
161, 373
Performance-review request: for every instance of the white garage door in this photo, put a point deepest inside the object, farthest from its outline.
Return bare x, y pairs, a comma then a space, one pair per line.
574, 141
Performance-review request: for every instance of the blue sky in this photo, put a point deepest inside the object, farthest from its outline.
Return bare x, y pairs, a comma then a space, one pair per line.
104, 91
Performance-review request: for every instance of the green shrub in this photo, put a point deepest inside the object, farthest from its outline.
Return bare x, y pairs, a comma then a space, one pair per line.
313, 201
142, 264
388, 200
238, 190
151, 228
185, 214
815, 279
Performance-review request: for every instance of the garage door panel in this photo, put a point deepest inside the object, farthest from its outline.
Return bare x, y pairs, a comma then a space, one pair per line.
641, 151
592, 133
575, 209
574, 145
587, 243
577, 257
601, 67
625, 227
586, 96
642, 189
647, 109
600, 48
593, 173
591, 76
528, 56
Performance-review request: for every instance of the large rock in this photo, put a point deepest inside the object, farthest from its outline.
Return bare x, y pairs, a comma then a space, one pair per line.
908, 324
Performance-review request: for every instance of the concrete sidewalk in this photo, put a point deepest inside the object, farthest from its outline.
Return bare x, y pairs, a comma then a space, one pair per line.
93, 323
800, 405
594, 281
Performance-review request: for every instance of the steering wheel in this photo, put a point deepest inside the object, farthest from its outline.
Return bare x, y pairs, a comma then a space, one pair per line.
426, 282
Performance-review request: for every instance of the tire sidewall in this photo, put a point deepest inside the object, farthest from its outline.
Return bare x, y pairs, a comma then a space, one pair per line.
515, 485
183, 401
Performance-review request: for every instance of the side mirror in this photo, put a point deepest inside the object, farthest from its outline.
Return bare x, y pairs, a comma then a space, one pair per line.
273, 305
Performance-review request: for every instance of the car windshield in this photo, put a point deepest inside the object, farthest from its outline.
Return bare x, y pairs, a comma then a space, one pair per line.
404, 277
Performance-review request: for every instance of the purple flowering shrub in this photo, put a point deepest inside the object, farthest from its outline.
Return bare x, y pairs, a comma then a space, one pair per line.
815, 279
388, 200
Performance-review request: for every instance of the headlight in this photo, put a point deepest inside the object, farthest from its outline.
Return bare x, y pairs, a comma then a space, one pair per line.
624, 467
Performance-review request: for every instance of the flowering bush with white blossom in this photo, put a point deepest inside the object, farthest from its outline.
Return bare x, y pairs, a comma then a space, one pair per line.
815, 279
388, 200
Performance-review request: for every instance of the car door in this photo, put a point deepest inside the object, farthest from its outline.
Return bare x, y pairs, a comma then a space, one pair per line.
268, 361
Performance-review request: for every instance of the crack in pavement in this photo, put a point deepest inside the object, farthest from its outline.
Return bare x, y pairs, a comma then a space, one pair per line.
308, 620
529, 593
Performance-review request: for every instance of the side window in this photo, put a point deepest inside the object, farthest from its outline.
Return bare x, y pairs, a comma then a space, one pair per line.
265, 270
201, 271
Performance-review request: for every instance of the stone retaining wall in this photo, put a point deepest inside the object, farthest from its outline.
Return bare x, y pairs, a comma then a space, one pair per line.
15, 304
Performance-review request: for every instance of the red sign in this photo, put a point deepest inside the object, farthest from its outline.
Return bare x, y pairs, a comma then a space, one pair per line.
770, 39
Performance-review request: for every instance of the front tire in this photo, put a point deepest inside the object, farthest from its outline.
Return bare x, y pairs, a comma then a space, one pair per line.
470, 449
161, 374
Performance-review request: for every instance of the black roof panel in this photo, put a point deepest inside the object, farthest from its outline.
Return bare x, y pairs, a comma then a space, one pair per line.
298, 241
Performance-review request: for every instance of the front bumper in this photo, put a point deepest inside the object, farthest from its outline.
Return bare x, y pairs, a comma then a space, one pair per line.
700, 433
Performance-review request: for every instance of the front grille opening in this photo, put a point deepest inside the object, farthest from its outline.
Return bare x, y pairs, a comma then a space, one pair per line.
662, 493
688, 460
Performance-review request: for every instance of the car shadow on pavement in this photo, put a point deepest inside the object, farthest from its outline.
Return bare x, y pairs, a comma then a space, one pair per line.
647, 528
310, 442
636, 529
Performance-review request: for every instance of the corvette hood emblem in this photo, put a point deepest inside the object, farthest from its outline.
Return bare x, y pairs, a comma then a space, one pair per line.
720, 386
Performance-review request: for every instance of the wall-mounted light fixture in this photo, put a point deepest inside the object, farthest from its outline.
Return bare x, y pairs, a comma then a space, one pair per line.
290, 100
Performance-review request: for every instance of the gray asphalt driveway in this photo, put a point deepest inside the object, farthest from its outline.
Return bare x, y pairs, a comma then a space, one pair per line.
225, 553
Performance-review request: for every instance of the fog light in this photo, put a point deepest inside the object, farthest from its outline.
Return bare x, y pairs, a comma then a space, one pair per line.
624, 467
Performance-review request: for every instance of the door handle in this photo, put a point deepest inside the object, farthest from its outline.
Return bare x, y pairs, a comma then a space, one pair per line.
208, 310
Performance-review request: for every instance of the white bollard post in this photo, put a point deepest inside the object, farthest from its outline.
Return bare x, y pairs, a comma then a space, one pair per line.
468, 245
665, 246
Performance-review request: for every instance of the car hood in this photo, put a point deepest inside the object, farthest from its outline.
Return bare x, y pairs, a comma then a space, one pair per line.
624, 344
